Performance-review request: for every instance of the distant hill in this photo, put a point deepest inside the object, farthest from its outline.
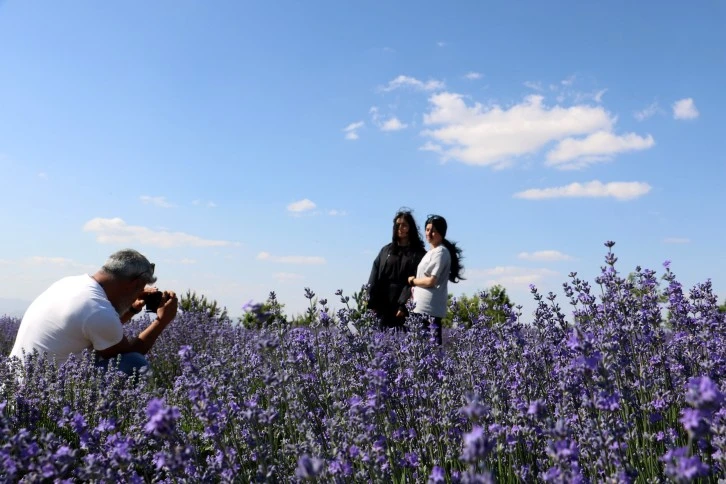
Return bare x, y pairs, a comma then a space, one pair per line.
13, 307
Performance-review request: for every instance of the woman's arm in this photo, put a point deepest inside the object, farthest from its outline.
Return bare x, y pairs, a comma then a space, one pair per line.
373, 278
427, 281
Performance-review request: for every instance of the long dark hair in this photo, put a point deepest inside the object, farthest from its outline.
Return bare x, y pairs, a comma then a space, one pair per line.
414, 234
455, 251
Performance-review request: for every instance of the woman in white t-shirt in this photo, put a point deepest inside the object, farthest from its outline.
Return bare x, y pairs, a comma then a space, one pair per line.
441, 264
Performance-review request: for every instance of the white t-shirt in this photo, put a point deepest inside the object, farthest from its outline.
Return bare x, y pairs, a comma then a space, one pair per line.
71, 315
433, 300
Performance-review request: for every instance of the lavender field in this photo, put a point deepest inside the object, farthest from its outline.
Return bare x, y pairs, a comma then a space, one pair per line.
621, 381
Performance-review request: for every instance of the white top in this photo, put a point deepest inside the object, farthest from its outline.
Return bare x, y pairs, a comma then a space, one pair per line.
71, 315
433, 300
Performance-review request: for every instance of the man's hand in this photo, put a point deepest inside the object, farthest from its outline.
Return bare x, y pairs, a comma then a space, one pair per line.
168, 307
140, 302
138, 305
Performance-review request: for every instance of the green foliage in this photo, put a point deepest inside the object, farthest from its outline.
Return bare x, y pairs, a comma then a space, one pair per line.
361, 303
633, 279
191, 302
257, 319
262, 315
307, 318
487, 307
722, 308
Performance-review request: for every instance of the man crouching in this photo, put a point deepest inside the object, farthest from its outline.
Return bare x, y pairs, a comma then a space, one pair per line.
88, 312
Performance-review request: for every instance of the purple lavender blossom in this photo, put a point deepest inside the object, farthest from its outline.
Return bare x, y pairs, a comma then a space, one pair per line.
476, 445
438, 475
682, 467
309, 468
703, 393
162, 419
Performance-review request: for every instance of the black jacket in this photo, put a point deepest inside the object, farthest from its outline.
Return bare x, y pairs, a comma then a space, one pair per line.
388, 282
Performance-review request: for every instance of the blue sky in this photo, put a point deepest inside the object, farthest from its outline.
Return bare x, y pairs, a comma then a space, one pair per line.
255, 146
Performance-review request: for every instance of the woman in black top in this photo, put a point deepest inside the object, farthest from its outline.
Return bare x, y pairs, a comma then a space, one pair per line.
388, 283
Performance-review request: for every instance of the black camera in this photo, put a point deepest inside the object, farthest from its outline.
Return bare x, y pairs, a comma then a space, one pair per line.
152, 301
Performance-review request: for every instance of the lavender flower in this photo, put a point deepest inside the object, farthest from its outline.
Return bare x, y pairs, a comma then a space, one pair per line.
162, 419
681, 467
309, 468
476, 445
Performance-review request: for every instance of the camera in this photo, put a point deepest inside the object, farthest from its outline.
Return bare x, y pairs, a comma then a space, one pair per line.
152, 301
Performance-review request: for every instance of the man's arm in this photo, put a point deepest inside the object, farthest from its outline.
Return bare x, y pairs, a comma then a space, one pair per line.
146, 339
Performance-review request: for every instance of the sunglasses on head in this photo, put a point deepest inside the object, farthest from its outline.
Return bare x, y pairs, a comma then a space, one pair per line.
149, 271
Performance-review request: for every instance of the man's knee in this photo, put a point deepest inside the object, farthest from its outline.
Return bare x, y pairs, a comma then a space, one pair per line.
132, 361
126, 362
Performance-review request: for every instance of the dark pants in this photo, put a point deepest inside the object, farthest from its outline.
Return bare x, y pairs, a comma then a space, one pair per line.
127, 363
430, 321
389, 320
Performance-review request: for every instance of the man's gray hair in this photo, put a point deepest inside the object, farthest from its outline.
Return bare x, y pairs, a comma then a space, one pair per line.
129, 264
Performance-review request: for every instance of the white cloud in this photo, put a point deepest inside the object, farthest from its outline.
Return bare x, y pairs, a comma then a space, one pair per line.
287, 276
156, 201
300, 206
429, 146
185, 261
116, 231
564, 90
351, 131
676, 240
337, 213
579, 97
64, 263
685, 109
393, 124
599, 94
441, 43
472, 76
406, 81
569, 81
46, 262
593, 189
536, 86
43, 175
494, 136
54, 261
648, 111
544, 255
509, 275
574, 153
291, 259
208, 204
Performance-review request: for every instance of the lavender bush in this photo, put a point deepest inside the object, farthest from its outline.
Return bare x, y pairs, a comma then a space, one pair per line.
629, 386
